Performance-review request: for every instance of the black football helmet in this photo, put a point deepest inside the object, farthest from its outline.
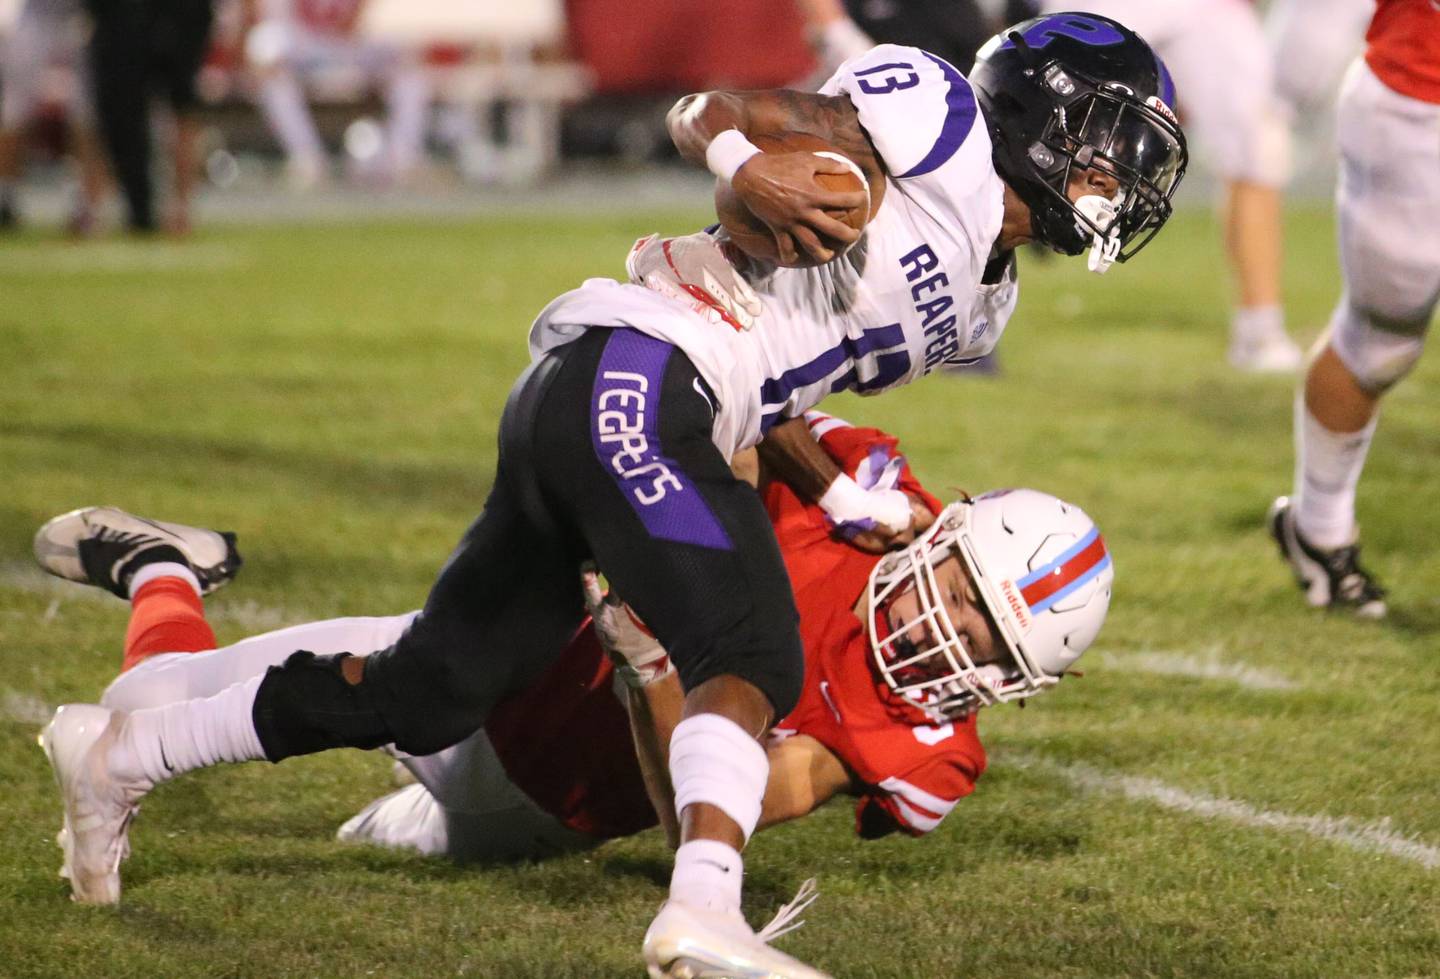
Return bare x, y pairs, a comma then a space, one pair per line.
1075, 91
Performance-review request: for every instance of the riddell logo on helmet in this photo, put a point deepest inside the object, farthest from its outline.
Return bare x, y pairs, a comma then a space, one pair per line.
1159, 106
1016, 603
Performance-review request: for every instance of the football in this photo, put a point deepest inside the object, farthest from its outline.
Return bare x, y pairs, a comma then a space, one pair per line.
753, 236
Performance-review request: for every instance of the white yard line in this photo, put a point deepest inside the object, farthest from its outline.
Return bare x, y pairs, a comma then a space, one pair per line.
1370, 837
1203, 664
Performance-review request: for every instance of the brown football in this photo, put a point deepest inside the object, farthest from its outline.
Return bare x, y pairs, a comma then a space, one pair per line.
754, 238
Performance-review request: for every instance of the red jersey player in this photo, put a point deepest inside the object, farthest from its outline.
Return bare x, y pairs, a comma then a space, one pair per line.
900, 651
1388, 131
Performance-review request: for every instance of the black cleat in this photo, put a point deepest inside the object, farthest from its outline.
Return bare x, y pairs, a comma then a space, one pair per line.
1330, 579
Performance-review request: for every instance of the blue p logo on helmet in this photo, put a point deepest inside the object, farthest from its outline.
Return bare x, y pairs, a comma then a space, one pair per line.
1076, 27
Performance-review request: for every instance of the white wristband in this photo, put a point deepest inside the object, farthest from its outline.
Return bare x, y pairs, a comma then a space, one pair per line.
847, 502
727, 152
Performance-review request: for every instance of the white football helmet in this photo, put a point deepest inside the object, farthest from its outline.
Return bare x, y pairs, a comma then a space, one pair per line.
1043, 573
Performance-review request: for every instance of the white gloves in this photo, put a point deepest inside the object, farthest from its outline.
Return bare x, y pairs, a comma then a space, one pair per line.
638, 656
695, 271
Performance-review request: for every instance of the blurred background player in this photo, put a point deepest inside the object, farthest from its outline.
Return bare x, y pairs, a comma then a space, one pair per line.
1388, 200
140, 49
45, 51
297, 41
1218, 55
1312, 41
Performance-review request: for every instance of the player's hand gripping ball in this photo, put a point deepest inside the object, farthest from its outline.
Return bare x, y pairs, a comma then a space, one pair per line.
755, 238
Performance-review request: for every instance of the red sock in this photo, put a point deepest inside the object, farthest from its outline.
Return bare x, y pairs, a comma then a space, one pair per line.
166, 616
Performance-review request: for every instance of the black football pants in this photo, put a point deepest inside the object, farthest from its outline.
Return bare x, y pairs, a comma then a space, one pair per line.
605, 453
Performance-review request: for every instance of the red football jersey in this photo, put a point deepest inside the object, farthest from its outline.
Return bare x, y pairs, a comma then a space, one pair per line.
1403, 47
913, 771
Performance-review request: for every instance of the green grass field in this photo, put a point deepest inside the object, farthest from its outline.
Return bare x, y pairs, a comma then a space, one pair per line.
1238, 786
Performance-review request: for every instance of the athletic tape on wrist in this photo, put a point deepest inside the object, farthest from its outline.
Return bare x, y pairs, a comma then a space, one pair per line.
847, 503
728, 152
713, 760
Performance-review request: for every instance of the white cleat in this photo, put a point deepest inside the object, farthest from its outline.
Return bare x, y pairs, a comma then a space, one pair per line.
1266, 352
100, 545
685, 942
98, 806
407, 819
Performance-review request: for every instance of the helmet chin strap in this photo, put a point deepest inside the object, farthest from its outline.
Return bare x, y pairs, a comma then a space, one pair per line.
1102, 212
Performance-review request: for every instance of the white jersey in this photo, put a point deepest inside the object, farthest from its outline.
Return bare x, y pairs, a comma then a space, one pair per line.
904, 300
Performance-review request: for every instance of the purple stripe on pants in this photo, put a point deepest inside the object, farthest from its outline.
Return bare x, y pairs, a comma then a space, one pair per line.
625, 430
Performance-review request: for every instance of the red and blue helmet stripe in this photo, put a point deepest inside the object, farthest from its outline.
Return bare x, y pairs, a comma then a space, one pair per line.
1051, 582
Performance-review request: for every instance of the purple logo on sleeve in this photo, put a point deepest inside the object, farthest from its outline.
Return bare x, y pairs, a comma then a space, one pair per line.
625, 431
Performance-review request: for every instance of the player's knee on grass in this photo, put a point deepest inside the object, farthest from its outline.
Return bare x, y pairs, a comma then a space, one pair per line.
306, 705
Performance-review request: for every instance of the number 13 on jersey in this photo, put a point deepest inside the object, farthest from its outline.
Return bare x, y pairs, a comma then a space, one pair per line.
894, 76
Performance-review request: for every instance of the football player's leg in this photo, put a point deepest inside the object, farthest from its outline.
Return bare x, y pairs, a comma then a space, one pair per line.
170, 675
434, 687
1313, 41
407, 102
166, 616
465, 807
92, 170
1225, 79
161, 568
118, 54
691, 549
188, 30
1390, 256
502, 609
276, 51
22, 61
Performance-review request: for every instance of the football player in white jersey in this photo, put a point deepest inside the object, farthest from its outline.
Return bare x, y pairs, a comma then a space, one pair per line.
615, 444
1223, 69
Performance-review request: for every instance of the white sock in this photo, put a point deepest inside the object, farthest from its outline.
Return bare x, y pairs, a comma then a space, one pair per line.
707, 875
1327, 470
714, 761
162, 569
284, 104
159, 743
1257, 322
